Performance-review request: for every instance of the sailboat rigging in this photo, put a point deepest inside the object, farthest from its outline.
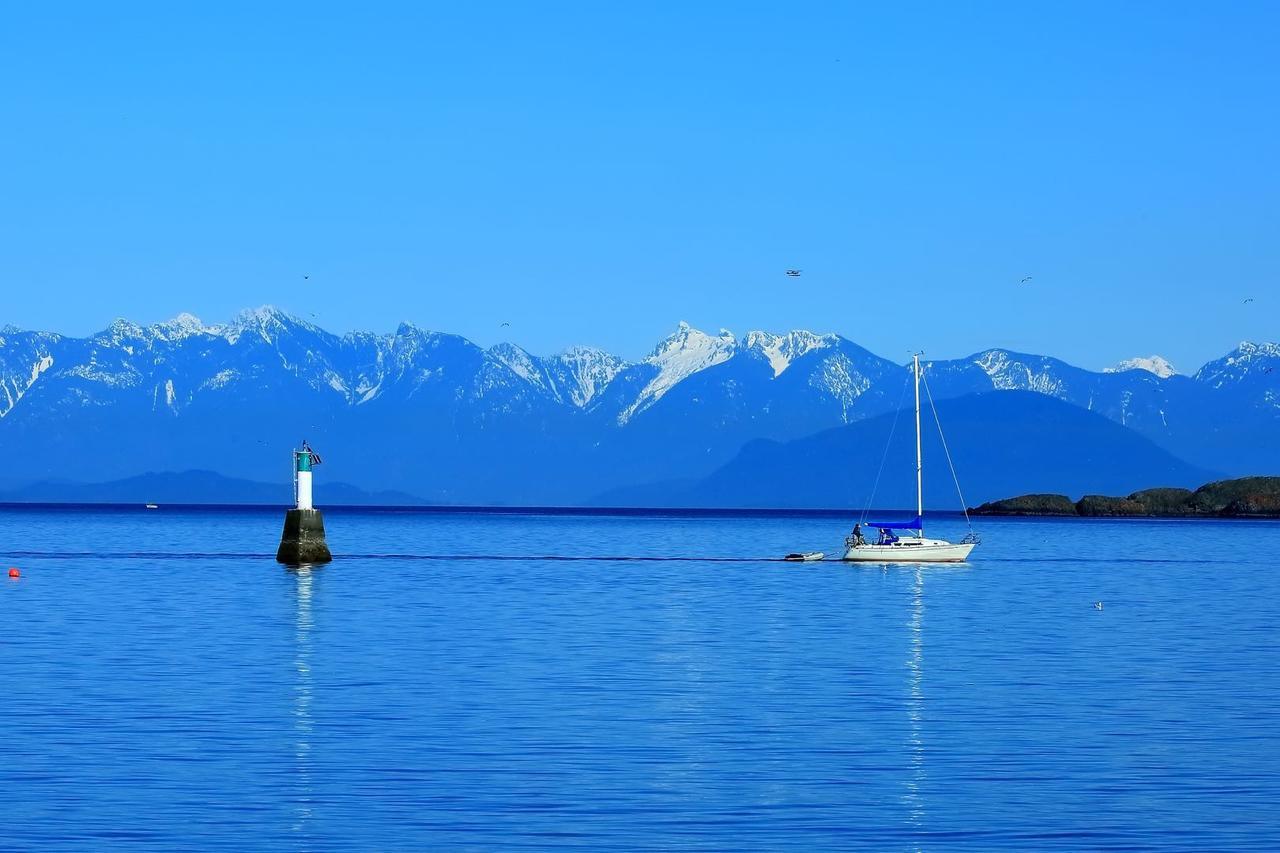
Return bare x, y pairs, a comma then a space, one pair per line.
912, 547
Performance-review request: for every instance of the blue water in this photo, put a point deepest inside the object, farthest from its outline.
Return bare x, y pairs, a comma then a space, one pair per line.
164, 684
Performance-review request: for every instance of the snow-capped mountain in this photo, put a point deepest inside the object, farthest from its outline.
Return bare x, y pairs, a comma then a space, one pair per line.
1247, 364
1152, 364
678, 357
1196, 418
782, 350
1126, 396
182, 359
729, 392
1110, 394
573, 377
24, 358
156, 392
434, 414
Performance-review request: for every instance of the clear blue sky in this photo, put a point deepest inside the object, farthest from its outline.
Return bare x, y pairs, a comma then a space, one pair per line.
594, 172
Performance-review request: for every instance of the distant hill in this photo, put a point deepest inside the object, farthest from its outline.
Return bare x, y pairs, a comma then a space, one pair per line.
996, 441
198, 487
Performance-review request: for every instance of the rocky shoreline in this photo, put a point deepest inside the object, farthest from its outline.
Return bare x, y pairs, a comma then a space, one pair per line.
1246, 497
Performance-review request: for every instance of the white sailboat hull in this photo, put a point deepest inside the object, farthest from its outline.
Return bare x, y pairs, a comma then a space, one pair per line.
910, 550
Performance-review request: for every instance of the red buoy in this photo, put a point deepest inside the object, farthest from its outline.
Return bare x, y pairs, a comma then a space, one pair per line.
14, 573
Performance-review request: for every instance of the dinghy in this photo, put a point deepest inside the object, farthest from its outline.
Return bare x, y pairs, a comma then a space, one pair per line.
912, 547
805, 557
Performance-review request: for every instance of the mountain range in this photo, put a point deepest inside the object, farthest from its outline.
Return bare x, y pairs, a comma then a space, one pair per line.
761, 419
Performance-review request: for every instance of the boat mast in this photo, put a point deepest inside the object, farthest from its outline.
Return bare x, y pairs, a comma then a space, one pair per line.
915, 369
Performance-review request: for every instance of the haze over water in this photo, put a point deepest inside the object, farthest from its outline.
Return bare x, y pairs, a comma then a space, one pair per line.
166, 684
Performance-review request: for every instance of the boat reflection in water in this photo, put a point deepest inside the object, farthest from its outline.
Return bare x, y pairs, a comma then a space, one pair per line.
916, 778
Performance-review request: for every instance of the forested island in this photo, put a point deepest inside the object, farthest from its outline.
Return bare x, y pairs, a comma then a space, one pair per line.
1246, 497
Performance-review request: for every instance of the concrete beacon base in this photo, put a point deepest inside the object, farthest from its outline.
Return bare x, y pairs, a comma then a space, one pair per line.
303, 538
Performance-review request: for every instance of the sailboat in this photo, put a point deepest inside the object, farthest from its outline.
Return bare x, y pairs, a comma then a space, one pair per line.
912, 547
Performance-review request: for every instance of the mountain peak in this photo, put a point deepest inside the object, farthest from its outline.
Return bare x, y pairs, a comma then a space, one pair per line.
1013, 371
517, 360
586, 351
269, 323
575, 376
687, 338
182, 326
680, 355
504, 349
586, 372
264, 315
1249, 349
781, 350
1248, 361
119, 331
410, 330
1152, 364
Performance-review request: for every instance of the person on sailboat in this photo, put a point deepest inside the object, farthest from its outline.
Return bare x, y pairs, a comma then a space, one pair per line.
857, 535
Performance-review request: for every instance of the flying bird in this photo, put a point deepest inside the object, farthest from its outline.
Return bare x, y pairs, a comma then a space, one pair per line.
1247, 301
794, 273
305, 277
504, 324
1025, 279
1097, 605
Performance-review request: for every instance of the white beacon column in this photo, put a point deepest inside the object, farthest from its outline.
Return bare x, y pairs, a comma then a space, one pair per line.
302, 478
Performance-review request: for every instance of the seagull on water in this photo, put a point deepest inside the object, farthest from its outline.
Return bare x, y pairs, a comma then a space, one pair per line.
1097, 605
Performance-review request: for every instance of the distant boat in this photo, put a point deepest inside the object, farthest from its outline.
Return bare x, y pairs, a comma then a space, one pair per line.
153, 506
805, 557
912, 547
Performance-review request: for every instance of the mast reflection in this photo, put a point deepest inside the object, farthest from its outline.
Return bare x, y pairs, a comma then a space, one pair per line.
915, 704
